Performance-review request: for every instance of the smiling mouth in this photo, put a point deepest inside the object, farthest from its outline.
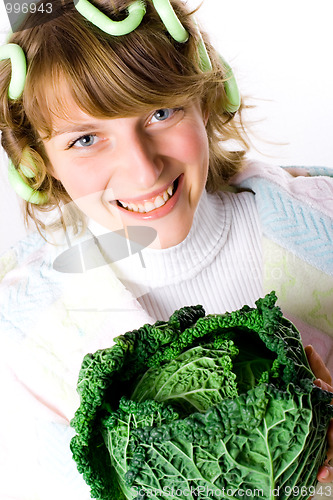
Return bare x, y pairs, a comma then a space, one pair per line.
156, 202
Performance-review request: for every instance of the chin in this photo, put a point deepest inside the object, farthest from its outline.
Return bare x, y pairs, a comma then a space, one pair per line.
170, 238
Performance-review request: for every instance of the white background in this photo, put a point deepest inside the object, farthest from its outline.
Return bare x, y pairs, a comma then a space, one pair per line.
281, 54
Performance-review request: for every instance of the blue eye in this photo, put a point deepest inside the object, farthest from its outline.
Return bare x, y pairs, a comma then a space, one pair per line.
162, 114
84, 141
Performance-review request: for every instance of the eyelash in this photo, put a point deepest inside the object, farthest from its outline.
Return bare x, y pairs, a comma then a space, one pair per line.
72, 143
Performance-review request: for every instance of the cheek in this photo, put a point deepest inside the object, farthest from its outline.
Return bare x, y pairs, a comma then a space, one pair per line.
193, 145
81, 180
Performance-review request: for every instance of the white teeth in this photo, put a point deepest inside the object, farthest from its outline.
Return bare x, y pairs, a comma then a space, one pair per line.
159, 202
148, 206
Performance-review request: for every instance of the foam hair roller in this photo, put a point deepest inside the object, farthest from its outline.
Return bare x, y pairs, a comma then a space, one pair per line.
135, 11
16, 55
22, 188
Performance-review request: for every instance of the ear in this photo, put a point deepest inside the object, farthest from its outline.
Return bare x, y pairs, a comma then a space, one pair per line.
205, 116
52, 172
49, 168
205, 113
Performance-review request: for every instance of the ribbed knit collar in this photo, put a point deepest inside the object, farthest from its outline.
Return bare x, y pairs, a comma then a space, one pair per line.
208, 234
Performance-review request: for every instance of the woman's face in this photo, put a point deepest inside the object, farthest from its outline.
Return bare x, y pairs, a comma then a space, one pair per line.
147, 170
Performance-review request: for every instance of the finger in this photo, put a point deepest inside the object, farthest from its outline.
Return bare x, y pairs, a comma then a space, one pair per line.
325, 474
317, 365
296, 172
323, 385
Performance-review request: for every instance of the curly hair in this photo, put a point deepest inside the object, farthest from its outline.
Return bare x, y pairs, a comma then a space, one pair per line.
70, 60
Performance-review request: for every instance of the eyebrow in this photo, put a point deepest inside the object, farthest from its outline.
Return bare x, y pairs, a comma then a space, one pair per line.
75, 127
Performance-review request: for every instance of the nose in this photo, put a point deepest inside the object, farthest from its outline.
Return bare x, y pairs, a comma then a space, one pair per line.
142, 158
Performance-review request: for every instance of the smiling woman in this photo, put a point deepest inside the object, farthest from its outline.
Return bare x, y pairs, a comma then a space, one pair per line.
134, 143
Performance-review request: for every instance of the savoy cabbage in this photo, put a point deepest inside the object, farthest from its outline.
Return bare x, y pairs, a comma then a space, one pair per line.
202, 407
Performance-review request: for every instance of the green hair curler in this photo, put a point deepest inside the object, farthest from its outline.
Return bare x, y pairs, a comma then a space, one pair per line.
136, 11
22, 188
231, 89
170, 20
16, 55
17, 58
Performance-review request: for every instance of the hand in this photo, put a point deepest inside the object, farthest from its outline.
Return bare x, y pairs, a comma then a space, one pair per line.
324, 380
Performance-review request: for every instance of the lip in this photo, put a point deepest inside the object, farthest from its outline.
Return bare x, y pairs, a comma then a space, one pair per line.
158, 212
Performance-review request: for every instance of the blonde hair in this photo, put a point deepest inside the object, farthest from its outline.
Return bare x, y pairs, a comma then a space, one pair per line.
111, 77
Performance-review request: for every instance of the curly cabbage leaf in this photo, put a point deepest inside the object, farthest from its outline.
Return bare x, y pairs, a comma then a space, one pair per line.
197, 379
202, 407
225, 449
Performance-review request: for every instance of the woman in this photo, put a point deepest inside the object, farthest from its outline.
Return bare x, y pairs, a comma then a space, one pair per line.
126, 132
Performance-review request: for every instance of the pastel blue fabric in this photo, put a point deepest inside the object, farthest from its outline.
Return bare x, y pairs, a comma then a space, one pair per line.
302, 224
